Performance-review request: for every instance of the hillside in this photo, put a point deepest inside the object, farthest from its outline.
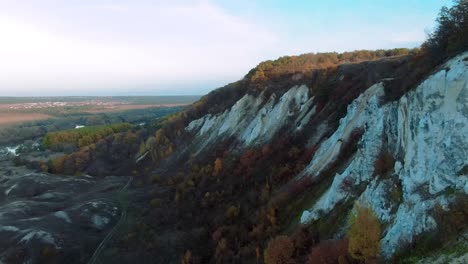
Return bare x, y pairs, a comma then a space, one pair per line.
359, 157
285, 157
290, 163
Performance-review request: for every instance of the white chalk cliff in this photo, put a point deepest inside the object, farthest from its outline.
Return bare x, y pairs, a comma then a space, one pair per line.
254, 122
426, 131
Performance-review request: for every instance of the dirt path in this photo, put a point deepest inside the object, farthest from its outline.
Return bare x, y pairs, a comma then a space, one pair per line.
123, 216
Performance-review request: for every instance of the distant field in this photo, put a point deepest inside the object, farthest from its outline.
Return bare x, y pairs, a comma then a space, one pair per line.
186, 99
117, 108
12, 118
57, 108
23, 109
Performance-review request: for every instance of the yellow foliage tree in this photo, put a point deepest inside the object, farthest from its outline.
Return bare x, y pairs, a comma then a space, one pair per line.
364, 234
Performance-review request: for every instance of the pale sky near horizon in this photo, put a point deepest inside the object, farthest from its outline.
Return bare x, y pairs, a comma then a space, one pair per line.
154, 47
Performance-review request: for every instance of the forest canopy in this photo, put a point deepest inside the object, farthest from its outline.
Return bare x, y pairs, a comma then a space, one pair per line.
312, 61
82, 136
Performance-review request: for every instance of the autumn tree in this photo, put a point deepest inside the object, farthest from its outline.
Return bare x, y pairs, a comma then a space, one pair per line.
334, 251
218, 166
82, 159
364, 234
159, 146
57, 164
279, 251
141, 149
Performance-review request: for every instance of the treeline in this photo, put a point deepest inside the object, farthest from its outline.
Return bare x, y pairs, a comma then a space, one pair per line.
449, 38
311, 61
451, 33
81, 137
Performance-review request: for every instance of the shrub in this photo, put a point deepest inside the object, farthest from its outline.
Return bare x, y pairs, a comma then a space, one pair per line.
364, 234
279, 251
384, 163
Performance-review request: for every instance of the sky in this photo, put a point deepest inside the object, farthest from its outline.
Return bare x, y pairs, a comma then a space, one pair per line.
184, 47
